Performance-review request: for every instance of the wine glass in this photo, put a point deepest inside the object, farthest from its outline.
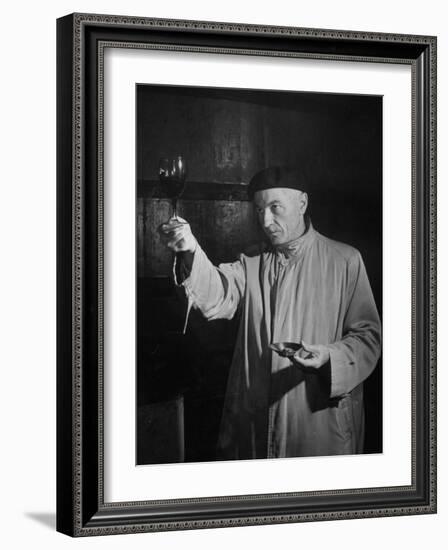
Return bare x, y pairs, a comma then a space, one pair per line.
172, 175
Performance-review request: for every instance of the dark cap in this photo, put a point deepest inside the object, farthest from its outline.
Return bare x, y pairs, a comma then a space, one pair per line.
295, 177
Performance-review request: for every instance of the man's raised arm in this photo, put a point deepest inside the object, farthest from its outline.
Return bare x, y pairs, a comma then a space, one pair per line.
215, 291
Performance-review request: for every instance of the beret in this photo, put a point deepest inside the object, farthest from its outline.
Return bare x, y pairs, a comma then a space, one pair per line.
291, 177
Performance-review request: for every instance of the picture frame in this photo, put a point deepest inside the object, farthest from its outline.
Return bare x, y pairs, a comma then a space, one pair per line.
81, 506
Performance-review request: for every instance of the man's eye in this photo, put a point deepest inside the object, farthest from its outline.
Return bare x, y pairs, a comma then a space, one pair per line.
276, 207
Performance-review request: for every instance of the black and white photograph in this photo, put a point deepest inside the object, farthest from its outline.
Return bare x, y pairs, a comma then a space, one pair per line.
259, 247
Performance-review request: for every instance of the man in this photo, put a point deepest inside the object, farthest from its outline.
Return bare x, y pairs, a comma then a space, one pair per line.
302, 288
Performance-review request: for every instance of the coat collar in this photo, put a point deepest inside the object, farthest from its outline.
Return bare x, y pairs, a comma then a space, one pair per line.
294, 249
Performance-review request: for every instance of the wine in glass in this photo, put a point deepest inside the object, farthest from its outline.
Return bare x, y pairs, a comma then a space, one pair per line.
172, 175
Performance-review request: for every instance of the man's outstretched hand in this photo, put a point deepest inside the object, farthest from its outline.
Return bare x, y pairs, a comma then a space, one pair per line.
312, 356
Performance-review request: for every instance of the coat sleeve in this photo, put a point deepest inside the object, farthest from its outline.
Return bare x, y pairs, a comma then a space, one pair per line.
215, 291
355, 356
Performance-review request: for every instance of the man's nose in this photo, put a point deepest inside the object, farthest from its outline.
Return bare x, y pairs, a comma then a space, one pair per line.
266, 218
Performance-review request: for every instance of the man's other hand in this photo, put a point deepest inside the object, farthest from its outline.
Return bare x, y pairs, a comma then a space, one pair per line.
312, 356
176, 235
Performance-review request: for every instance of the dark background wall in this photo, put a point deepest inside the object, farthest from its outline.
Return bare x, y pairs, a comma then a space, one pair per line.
227, 136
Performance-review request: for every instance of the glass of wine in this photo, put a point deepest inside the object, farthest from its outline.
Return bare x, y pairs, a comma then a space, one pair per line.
172, 175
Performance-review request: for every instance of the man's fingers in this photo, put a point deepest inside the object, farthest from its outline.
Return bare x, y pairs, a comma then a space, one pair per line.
168, 231
176, 234
173, 224
309, 347
175, 240
305, 353
173, 234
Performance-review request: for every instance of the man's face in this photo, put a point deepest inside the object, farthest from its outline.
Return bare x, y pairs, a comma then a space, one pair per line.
280, 212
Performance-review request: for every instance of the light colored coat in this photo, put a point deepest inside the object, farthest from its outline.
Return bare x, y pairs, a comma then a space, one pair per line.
314, 290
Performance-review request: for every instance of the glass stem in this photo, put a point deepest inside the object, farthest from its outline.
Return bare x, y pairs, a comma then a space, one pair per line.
175, 208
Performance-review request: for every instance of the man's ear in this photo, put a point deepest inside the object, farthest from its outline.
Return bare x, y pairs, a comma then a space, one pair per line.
303, 203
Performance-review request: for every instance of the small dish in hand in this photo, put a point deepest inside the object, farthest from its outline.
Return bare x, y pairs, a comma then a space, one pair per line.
286, 349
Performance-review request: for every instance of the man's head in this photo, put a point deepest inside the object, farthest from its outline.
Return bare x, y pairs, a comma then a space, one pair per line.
281, 212
280, 198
